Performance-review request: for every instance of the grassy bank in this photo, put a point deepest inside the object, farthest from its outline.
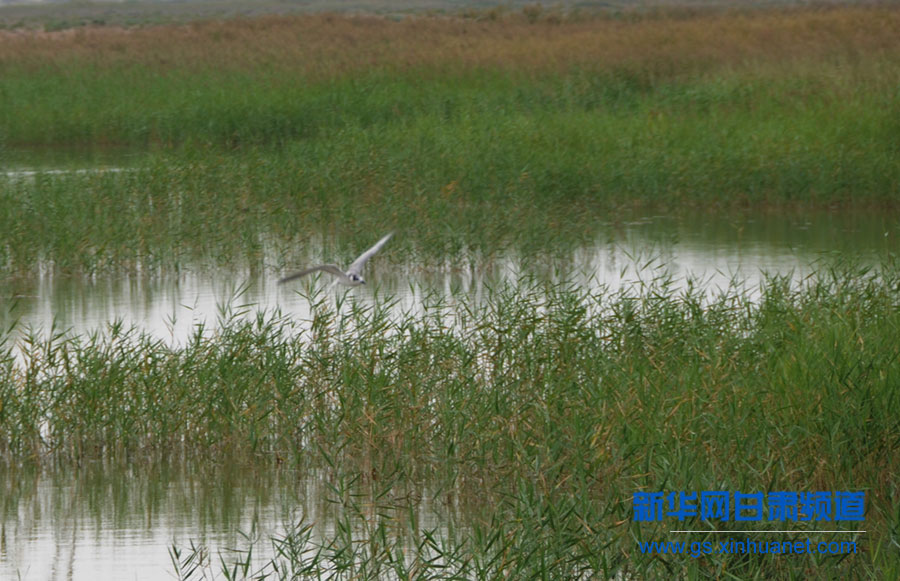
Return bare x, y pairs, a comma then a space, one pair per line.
546, 407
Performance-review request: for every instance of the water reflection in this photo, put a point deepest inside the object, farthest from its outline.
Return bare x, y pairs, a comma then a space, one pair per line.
120, 522
715, 252
104, 521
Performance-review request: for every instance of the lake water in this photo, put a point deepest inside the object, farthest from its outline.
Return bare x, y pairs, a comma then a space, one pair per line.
712, 251
101, 523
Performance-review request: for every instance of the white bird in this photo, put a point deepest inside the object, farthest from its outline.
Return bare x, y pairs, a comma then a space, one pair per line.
353, 275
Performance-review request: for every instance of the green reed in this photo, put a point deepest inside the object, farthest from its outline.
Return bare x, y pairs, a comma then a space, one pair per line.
554, 173
455, 129
240, 159
530, 417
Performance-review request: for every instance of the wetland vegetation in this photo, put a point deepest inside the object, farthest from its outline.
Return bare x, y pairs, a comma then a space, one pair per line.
525, 417
534, 414
451, 128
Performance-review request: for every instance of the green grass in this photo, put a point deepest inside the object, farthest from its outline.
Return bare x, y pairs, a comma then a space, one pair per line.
258, 131
537, 413
450, 163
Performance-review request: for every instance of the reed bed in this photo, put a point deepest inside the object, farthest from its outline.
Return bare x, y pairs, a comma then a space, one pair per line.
280, 79
333, 45
531, 417
448, 186
251, 132
254, 131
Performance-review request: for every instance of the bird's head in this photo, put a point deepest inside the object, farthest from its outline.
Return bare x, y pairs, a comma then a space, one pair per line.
357, 279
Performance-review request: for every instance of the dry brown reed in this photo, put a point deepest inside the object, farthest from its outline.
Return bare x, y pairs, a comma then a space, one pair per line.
332, 45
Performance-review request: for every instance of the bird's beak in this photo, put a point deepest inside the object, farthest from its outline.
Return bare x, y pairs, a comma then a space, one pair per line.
364, 282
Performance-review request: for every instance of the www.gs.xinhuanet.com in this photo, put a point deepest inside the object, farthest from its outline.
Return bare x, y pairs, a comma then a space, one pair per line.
747, 546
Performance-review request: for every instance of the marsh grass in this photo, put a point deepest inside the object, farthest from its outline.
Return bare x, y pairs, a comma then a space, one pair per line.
258, 130
448, 182
532, 418
277, 79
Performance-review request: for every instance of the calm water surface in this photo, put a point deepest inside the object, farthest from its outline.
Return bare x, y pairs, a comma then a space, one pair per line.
711, 251
107, 523
97, 523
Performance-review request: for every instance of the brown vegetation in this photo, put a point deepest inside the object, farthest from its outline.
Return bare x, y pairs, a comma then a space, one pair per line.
329, 45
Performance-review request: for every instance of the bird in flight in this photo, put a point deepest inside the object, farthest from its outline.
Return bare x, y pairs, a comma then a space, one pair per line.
353, 275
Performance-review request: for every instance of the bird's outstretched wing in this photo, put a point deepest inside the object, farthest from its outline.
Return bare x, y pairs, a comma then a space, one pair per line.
329, 268
358, 264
